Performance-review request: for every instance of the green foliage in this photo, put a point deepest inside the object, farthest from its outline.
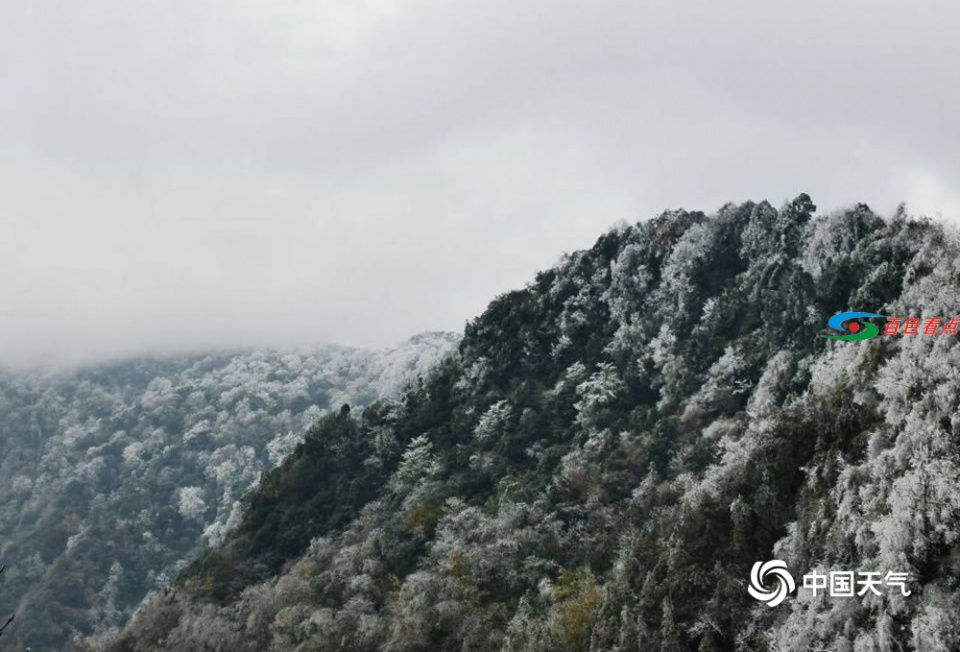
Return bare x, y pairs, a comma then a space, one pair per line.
578, 597
319, 488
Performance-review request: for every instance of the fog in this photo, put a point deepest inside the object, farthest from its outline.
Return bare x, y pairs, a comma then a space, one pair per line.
178, 175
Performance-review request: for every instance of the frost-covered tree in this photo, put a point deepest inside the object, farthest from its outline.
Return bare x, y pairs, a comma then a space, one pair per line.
616, 445
113, 477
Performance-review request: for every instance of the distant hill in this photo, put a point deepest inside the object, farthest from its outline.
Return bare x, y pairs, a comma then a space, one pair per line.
614, 449
112, 476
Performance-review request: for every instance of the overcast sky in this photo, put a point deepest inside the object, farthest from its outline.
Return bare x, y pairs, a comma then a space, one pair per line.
177, 174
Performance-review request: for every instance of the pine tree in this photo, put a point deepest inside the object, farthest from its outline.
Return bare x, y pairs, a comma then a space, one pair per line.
669, 637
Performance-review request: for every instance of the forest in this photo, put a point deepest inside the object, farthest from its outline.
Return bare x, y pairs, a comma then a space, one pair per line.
113, 476
607, 454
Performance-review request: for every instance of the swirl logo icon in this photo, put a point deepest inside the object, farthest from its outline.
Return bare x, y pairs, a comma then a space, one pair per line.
853, 329
758, 588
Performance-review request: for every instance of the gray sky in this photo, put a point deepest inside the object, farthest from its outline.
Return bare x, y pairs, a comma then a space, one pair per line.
178, 174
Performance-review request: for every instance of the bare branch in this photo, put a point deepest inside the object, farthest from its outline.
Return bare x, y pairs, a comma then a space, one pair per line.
12, 616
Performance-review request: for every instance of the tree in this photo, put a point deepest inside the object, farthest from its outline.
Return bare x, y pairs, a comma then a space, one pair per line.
654, 415
669, 638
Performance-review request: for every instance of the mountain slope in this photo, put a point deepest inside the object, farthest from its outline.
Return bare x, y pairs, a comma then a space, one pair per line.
613, 449
111, 477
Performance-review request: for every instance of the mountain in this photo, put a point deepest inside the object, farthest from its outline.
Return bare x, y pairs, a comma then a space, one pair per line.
113, 476
612, 452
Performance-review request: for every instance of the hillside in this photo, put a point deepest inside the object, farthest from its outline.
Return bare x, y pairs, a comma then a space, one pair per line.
612, 450
113, 476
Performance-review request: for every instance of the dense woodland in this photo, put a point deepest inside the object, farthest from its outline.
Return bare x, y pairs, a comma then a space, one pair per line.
113, 476
608, 454
613, 448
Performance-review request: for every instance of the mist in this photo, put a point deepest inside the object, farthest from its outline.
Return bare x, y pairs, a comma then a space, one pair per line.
177, 176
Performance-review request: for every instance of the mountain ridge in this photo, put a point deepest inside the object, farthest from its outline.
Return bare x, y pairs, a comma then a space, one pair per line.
613, 449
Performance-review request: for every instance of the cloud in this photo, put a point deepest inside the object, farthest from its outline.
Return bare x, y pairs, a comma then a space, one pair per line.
179, 175
930, 194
